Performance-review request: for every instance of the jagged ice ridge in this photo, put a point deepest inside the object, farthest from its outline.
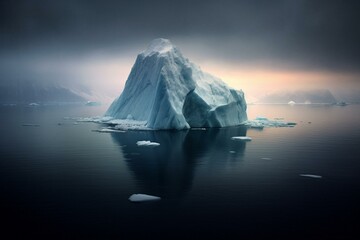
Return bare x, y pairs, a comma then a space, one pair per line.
166, 91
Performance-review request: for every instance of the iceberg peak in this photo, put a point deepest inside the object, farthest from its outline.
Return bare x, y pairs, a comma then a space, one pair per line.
166, 91
158, 45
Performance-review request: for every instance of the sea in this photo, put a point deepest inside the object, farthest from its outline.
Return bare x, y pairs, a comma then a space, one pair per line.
60, 179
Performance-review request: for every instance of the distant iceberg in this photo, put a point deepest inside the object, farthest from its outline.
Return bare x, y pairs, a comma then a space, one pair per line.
34, 104
93, 103
310, 96
291, 103
166, 91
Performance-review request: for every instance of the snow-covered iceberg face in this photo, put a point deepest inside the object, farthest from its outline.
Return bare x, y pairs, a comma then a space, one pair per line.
166, 91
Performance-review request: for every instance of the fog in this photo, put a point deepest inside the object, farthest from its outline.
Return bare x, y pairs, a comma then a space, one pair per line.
258, 46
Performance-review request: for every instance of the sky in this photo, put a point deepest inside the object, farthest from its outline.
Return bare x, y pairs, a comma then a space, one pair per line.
257, 46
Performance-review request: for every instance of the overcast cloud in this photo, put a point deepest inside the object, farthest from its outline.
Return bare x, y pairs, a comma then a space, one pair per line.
289, 34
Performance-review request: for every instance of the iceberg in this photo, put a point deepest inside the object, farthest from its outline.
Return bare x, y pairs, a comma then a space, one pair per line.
143, 198
166, 91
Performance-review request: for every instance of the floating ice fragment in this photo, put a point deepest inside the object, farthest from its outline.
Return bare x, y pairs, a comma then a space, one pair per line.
310, 175
107, 130
232, 152
261, 122
93, 103
241, 138
147, 143
266, 158
34, 104
143, 198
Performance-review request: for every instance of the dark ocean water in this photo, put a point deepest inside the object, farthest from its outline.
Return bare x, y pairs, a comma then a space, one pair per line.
65, 181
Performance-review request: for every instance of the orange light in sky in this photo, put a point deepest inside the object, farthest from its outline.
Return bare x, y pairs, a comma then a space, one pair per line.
264, 80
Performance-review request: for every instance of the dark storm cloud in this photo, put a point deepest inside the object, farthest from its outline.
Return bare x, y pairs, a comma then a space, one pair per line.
306, 34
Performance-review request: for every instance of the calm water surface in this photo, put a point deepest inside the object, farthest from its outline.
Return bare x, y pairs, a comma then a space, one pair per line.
65, 181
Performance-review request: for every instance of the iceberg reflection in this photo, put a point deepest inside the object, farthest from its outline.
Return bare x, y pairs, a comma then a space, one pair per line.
168, 170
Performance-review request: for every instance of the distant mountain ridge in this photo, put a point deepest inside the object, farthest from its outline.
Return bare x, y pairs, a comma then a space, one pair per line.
300, 96
26, 91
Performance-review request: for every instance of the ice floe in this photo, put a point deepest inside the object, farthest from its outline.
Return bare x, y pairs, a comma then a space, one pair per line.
261, 122
143, 198
34, 104
241, 138
310, 175
119, 124
108, 130
147, 143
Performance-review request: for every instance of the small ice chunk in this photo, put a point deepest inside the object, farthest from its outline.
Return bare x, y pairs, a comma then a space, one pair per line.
108, 130
147, 143
34, 104
93, 103
143, 198
241, 138
310, 175
232, 152
292, 103
266, 158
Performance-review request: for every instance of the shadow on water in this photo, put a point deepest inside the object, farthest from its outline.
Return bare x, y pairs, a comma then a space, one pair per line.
168, 170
